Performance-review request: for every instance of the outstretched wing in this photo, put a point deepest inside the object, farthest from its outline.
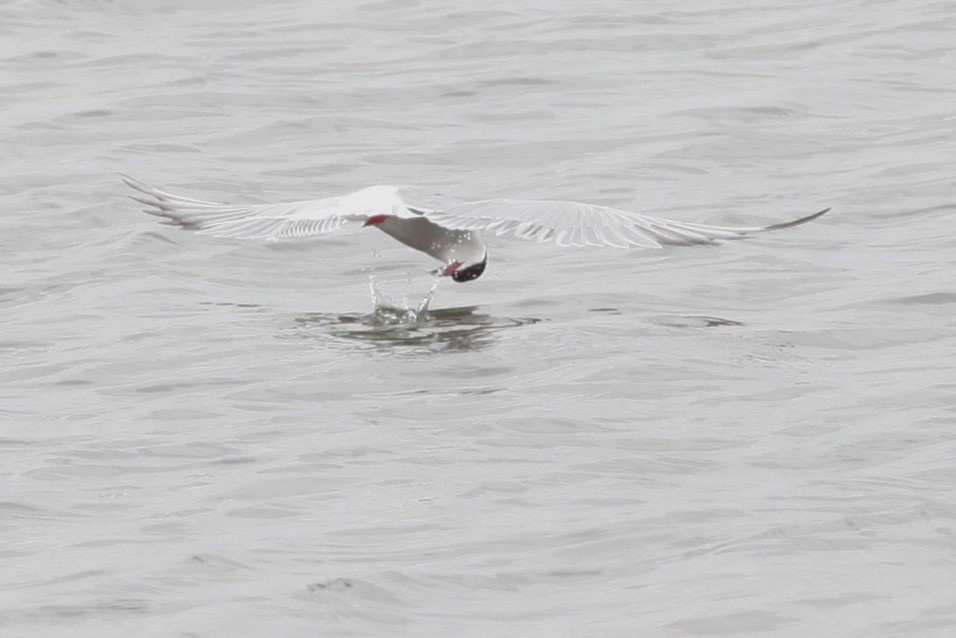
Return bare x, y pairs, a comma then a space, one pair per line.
574, 224
265, 221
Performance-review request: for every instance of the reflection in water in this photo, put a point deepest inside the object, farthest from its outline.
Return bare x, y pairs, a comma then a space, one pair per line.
445, 329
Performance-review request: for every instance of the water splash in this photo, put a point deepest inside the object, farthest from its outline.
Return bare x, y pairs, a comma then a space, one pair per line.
389, 312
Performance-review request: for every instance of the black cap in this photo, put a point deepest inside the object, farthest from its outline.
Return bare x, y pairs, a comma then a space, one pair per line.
473, 271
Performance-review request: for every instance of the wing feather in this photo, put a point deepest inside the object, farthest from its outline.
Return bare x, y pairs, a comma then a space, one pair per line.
564, 223
265, 221
575, 224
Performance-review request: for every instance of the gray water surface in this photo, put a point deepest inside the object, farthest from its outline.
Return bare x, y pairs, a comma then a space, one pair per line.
203, 437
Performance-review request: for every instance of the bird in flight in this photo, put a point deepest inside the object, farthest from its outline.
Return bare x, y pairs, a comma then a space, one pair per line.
446, 228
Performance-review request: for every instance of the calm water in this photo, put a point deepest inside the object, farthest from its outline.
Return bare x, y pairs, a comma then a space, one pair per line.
201, 437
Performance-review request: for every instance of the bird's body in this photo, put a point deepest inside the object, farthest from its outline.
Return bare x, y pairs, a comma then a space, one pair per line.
443, 227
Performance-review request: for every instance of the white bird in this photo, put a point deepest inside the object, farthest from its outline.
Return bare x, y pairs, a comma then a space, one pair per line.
443, 227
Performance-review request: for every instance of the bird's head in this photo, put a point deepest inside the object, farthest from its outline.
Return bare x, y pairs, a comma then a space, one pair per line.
465, 271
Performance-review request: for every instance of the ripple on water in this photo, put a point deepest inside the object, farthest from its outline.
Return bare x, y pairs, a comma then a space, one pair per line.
402, 318
693, 321
447, 329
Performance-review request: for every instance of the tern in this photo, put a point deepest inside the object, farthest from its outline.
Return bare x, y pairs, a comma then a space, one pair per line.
441, 226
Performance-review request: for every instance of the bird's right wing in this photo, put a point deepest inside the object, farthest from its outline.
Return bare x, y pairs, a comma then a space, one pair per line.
258, 221
576, 224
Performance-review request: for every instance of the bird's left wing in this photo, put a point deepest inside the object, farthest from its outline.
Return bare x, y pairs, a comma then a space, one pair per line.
576, 224
264, 221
